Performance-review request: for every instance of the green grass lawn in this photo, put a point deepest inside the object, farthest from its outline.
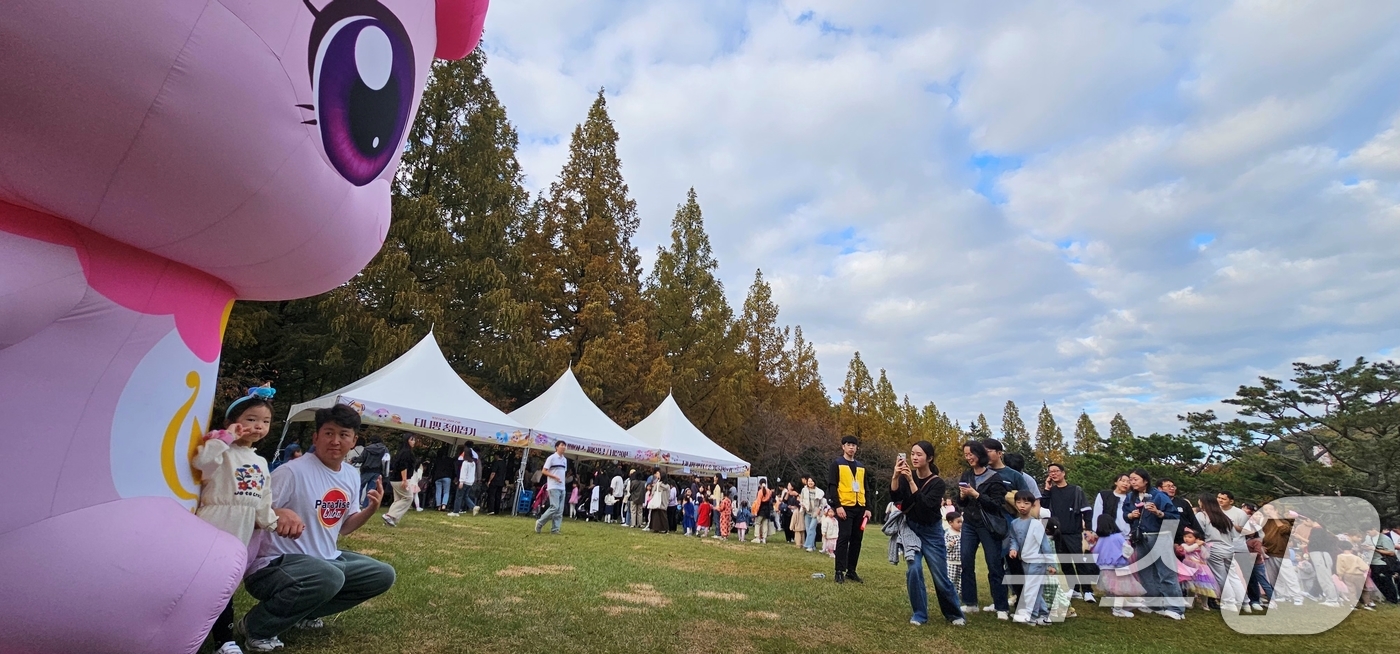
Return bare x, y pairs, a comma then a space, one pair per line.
490, 584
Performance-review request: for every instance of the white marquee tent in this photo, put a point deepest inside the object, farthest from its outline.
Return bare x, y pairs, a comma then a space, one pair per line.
420, 392
686, 447
565, 413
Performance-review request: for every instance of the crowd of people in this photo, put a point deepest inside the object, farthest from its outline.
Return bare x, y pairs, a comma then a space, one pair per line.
1136, 548
1142, 548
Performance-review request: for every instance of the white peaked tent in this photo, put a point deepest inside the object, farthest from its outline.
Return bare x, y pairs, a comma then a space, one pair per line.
669, 430
565, 413
420, 392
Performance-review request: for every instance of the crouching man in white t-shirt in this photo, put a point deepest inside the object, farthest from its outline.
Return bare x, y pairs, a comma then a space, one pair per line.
297, 582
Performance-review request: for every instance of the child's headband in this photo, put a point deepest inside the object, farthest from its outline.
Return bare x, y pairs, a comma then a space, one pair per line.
264, 392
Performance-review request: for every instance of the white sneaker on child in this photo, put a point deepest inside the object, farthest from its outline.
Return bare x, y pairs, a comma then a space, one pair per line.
229, 648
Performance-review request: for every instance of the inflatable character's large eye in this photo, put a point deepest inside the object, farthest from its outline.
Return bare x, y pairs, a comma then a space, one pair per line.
362, 79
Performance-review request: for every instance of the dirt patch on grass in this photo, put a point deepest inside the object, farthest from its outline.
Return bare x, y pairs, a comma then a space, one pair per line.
728, 597
619, 610
639, 594
529, 570
369, 552
763, 615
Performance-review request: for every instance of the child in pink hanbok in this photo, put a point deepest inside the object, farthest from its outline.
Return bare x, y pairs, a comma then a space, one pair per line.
1193, 571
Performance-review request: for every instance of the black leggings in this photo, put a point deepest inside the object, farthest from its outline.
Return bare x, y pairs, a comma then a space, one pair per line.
223, 627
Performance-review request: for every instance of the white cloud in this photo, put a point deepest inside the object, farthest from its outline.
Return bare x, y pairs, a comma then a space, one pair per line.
1103, 207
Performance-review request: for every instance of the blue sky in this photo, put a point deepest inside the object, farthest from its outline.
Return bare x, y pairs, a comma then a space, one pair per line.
1102, 206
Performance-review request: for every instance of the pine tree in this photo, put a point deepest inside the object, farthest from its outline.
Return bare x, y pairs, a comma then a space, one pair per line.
888, 416
1013, 429
1120, 436
857, 414
762, 342
802, 386
693, 323
946, 438
586, 276
1049, 440
1086, 435
983, 429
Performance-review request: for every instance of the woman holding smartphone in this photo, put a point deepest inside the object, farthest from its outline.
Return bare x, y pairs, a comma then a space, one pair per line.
919, 492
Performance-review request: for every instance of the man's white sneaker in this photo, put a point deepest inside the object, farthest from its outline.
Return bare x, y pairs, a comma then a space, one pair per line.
1257, 606
970, 609
958, 622
240, 628
989, 608
1171, 614
916, 623
453, 514
476, 510
229, 648
1001, 615
1089, 597
1021, 619
314, 623
1122, 613
1074, 595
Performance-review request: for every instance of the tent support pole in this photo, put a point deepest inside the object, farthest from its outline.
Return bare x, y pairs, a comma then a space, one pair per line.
285, 426
520, 479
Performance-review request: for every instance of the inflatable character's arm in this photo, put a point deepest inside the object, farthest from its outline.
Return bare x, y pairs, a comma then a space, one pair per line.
210, 455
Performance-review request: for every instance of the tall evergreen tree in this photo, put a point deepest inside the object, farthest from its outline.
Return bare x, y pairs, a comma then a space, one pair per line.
763, 341
890, 427
586, 275
1120, 436
857, 414
946, 438
1086, 435
1049, 440
695, 327
1013, 429
802, 381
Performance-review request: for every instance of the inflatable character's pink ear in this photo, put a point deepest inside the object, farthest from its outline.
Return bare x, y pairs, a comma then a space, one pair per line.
459, 25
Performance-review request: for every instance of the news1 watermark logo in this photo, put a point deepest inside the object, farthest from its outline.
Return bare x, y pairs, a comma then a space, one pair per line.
1301, 593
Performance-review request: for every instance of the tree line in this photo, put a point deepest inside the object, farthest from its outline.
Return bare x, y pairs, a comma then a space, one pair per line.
516, 288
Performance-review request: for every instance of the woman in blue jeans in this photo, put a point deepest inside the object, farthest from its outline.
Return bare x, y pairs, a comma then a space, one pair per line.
981, 494
919, 492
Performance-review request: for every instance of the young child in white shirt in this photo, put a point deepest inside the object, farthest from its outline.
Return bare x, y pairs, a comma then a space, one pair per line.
235, 495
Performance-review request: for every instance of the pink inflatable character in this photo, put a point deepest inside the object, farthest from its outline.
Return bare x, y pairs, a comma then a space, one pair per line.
159, 159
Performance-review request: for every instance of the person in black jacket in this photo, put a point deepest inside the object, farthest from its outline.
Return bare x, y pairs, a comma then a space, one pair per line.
845, 481
371, 462
1188, 512
919, 491
444, 469
399, 472
1072, 510
981, 496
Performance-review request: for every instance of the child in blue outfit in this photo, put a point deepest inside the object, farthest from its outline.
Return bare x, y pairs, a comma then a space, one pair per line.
688, 509
741, 523
1027, 541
